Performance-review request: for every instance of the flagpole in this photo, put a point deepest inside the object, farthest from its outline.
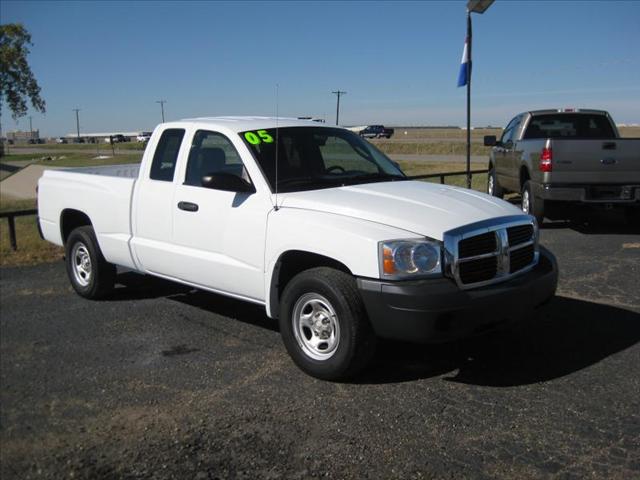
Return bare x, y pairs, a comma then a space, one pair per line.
469, 99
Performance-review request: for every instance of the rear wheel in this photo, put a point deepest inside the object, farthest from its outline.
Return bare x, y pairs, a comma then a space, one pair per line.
90, 274
493, 187
530, 204
324, 326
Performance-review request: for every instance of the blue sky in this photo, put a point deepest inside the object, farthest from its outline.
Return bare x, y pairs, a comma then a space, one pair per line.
398, 61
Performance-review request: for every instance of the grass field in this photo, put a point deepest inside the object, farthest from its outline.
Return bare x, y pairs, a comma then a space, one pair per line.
31, 248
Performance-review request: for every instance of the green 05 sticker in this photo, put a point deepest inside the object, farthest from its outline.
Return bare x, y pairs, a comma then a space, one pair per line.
256, 138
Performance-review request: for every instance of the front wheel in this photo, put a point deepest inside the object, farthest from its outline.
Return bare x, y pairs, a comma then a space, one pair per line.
324, 326
530, 204
90, 274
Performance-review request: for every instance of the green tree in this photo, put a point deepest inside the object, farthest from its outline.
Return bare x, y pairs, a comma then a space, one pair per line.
17, 83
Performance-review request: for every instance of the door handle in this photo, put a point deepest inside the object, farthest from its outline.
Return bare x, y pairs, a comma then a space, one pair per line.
188, 206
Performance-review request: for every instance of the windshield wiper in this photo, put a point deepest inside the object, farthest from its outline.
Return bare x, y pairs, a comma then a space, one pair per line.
306, 182
376, 177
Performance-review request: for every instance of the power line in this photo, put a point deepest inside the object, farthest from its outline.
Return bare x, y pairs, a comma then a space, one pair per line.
338, 93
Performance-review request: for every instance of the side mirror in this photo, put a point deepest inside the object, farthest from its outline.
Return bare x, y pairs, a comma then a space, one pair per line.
227, 183
490, 141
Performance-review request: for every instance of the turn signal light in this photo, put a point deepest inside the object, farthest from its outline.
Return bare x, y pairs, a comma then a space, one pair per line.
387, 261
546, 158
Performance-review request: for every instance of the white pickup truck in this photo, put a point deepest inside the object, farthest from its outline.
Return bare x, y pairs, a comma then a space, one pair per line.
310, 221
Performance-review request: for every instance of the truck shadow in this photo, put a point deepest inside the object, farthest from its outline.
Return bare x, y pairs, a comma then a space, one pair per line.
565, 336
134, 286
594, 221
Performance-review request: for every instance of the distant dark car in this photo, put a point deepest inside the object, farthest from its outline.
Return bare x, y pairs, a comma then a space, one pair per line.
118, 139
61, 140
376, 131
78, 140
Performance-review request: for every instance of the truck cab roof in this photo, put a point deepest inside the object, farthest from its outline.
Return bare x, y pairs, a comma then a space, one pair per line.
241, 124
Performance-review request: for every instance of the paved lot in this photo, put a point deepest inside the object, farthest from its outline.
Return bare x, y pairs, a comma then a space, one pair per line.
165, 382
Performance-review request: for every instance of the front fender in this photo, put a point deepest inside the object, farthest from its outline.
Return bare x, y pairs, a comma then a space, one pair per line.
350, 241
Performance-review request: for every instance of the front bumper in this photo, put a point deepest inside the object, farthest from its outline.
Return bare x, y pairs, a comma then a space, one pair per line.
438, 311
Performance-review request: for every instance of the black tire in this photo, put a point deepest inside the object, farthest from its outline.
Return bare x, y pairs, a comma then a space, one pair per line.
531, 204
91, 276
317, 292
493, 187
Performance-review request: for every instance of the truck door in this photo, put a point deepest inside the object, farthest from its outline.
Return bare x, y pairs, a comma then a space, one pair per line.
152, 202
504, 156
219, 234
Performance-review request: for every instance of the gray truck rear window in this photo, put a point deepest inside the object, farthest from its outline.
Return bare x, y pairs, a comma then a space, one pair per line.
166, 155
575, 125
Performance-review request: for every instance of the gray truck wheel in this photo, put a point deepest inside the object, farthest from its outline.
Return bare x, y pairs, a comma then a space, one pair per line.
324, 326
530, 204
91, 276
493, 187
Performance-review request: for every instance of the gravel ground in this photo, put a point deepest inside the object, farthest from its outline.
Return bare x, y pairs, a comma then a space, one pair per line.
166, 382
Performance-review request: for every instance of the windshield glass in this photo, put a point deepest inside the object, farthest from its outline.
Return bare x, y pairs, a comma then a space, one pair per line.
311, 158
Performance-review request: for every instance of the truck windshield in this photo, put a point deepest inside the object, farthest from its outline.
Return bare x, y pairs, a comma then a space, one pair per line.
569, 125
312, 158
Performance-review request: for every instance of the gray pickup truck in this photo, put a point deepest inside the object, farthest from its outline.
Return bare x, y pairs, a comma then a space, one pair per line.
564, 157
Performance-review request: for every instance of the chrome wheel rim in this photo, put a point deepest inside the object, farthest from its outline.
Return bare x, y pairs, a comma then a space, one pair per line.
81, 264
525, 201
316, 326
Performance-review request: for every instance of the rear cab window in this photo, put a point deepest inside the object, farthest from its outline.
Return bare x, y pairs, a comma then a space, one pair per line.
570, 125
166, 155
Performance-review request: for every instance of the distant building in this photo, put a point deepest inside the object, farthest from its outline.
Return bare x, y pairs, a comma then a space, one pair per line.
19, 136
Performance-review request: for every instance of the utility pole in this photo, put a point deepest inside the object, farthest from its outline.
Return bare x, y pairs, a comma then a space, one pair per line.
77, 121
338, 93
30, 125
162, 102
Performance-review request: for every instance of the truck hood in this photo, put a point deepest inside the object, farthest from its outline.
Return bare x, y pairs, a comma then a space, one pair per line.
423, 208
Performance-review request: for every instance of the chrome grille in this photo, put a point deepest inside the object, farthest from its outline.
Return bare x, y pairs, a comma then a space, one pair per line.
470, 247
519, 234
478, 270
491, 251
521, 258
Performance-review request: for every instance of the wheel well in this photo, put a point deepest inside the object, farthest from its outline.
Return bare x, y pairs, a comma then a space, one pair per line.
292, 263
524, 176
70, 220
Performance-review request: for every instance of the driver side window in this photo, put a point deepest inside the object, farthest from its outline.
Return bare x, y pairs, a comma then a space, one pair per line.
507, 135
212, 153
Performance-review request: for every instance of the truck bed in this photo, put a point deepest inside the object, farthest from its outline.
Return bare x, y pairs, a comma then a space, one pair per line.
129, 170
91, 190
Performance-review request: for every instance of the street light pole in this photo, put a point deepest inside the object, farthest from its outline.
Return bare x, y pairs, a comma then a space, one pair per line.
162, 102
338, 93
77, 121
469, 42
475, 6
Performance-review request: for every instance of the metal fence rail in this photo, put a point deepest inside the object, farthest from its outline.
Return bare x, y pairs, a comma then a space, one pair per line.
442, 176
10, 216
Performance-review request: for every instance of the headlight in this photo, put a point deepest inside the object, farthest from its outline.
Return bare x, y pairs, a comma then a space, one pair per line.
410, 259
